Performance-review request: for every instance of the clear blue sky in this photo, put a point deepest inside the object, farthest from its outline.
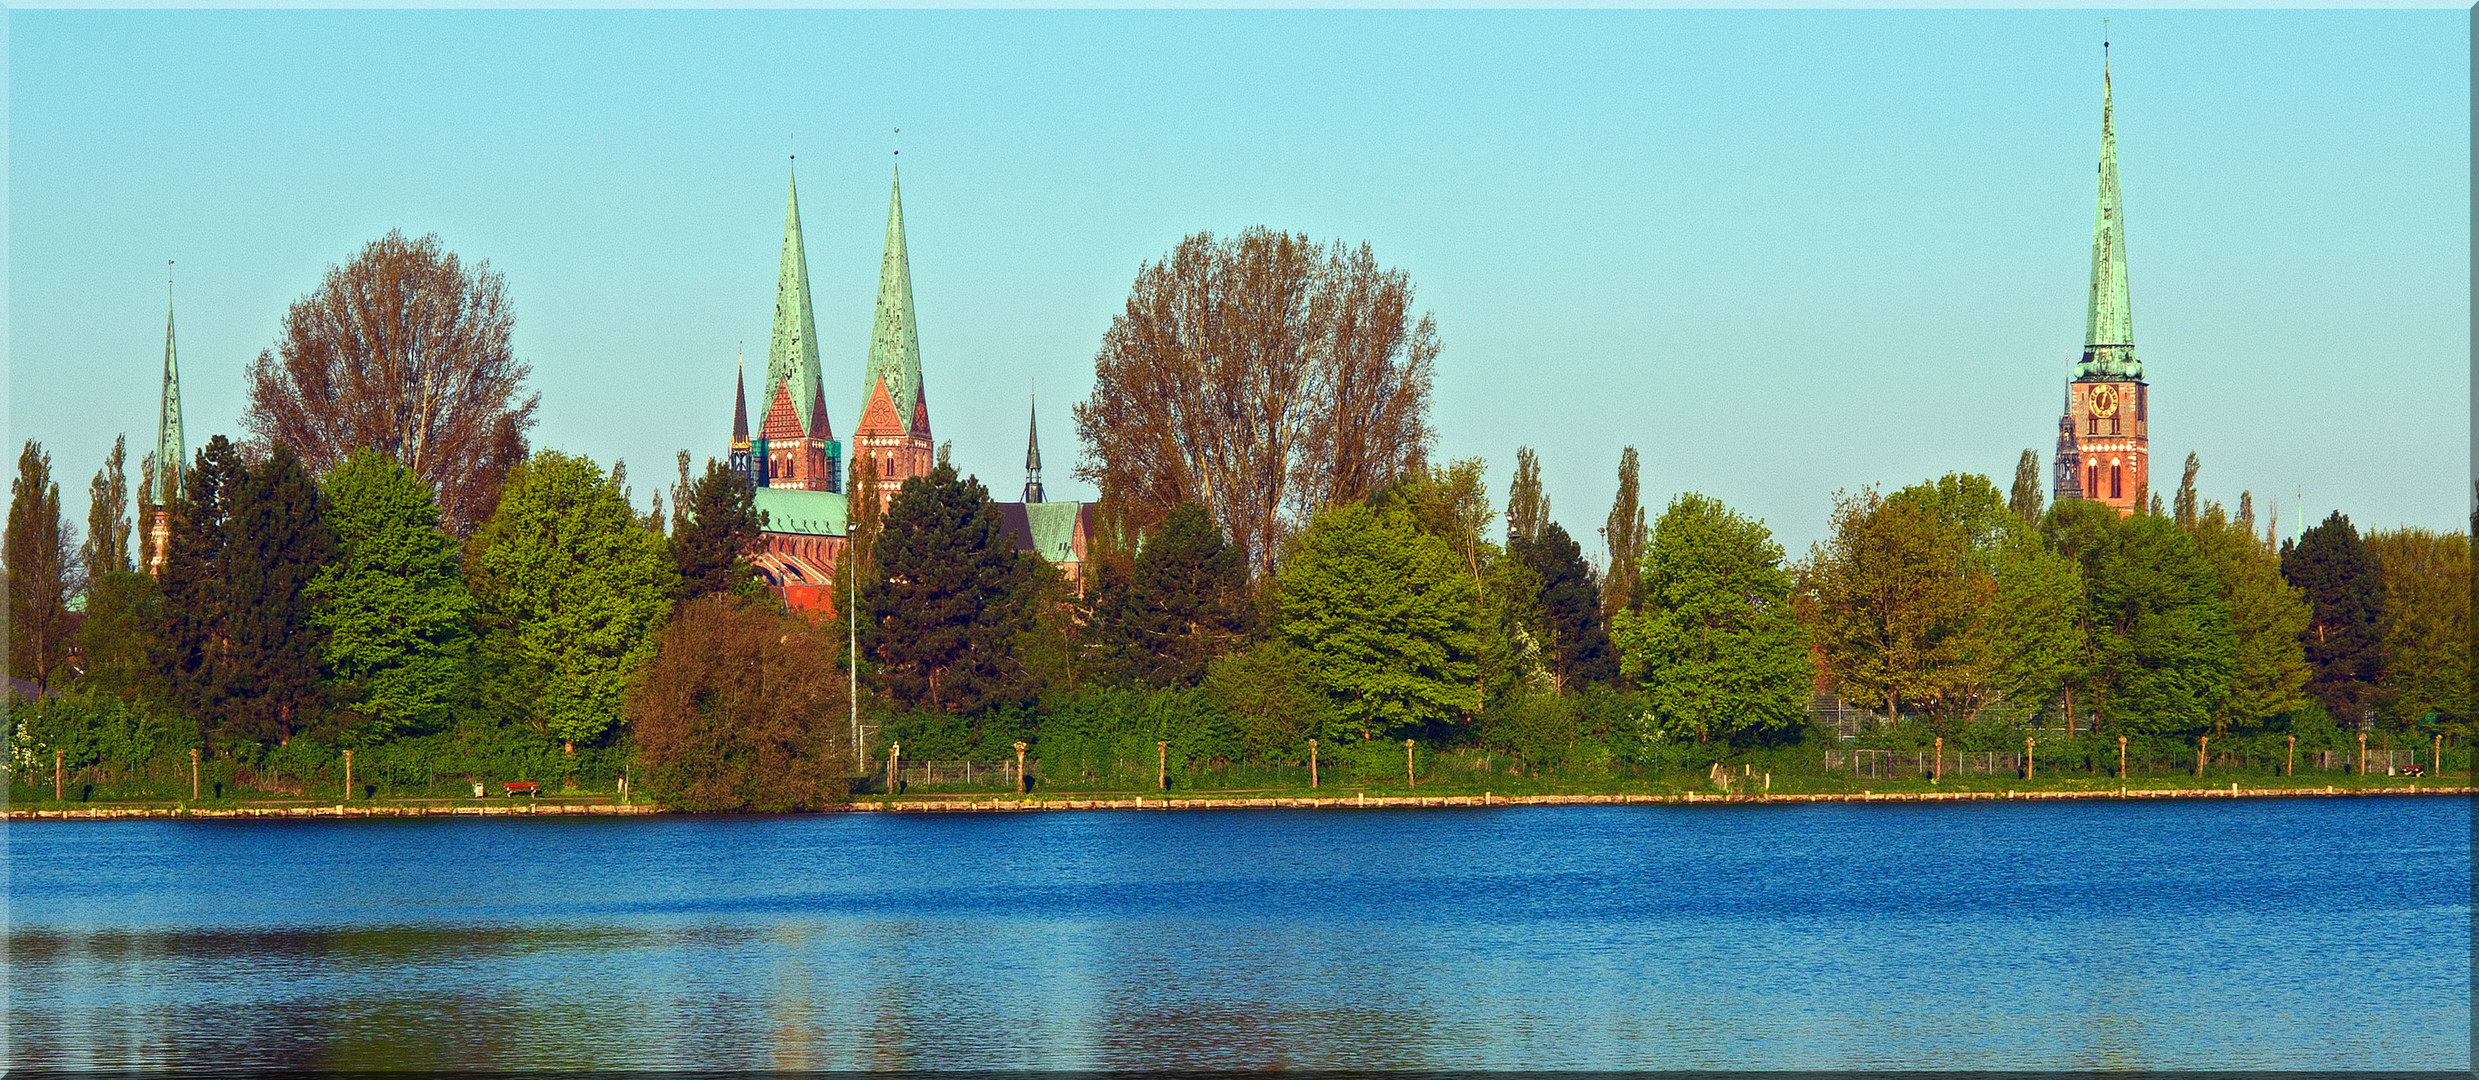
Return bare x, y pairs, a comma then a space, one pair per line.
1782, 252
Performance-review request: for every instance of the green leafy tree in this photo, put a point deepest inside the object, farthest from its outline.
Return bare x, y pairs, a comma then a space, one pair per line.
2024, 500
1716, 652
1624, 535
1527, 507
394, 605
193, 643
1381, 620
107, 515
2345, 630
718, 535
736, 713
2427, 642
952, 593
1891, 600
571, 592
1577, 649
1185, 604
2034, 631
1266, 691
43, 572
2163, 644
2184, 509
277, 542
2268, 615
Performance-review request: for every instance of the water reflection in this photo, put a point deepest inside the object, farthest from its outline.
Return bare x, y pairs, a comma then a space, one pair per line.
2006, 937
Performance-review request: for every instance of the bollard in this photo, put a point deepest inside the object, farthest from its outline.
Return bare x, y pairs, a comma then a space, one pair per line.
193, 774
57, 757
1936, 773
2121, 761
1021, 785
2362, 753
2436, 760
1162, 762
2289, 765
1409, 780
1312, 764
2026, 759
894, 752
348, 776
2201, 742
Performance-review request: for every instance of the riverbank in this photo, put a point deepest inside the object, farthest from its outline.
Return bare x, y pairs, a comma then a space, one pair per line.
1007, 804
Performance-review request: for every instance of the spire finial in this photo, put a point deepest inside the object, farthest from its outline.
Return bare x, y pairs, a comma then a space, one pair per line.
899, 142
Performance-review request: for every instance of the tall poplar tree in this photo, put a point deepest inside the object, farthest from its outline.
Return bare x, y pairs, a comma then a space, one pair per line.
1624, 535
42, 569
2183, 509
107, 515
2024, 500
1527, 507
393, 605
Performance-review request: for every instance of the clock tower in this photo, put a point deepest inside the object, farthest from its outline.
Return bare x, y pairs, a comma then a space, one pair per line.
2103, 441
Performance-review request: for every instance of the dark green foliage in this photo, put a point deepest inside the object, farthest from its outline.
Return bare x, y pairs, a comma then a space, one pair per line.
1098, 733
1266, 692
117, 638
951, 596
193, 652
1185, 603
719, 535
2345, 629
1578, 649
89, 731
2162, 642
42, 570
394, 604
276, 542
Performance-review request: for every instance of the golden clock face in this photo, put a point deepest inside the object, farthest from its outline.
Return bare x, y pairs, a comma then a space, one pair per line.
2104, 401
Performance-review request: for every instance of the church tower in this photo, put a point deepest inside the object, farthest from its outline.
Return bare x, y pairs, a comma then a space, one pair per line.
162, 484
1033, 456
2103, 446
894, 429
795, 446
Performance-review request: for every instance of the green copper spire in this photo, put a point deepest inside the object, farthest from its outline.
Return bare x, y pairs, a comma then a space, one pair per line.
2109, 333
793, 354
171, 450
894, 346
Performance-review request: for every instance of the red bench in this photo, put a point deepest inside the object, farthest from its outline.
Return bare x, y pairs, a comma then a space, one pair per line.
527, 787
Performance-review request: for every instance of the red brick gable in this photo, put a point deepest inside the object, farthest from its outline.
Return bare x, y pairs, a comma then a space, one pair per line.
783, 422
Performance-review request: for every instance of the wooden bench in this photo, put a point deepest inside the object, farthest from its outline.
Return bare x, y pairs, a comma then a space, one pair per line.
527, 787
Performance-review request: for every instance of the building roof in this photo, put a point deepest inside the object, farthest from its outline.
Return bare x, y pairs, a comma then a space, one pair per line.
2109, 329
802, 513
894, 343
793, 352
1047, 529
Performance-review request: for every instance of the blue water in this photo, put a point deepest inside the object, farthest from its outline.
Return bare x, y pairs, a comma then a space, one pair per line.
2280, 934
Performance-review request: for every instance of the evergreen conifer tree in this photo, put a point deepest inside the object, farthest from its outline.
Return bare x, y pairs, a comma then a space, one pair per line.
950, 597
277, 543
1185, 604
2344, 637
193, 644
1579, 645
718, 535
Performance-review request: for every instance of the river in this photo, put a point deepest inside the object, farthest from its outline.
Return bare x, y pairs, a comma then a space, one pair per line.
2245, 934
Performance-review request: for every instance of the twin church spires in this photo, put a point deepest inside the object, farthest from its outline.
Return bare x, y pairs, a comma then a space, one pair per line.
795, 445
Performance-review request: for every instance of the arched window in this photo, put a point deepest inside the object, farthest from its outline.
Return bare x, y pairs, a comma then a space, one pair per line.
2117, 480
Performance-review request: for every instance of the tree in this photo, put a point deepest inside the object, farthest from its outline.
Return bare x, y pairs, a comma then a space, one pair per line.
952, 592
719, 535
404, 350
42, 570
2184, 509
1380, 618
393, 604
1577, 648
1891, 601
107, 515
277, 542
2345, 631
2163, 646
570, 592
193, 642
1185, 604
1625, 535
2426, 576
2034, 630
1526, 506
2024, 500
1267, 691
146, 508
735, 712
2269, 672
1716, 651
116, 639
1264, 376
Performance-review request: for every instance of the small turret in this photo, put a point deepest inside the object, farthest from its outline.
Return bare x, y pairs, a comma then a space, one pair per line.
1033, 457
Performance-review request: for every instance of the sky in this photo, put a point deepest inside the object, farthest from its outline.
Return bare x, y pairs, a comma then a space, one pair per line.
1783, 253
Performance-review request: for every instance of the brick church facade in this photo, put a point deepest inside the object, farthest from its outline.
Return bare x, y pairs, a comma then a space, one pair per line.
798, 468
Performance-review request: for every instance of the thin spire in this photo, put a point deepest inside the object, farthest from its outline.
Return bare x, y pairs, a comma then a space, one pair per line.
894, 344
792, 354
171, 448
2109, 332
740, 399
1033, 455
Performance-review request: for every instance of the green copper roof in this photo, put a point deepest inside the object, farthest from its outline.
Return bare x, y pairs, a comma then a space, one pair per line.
171, 450
793, 354
2109, 332
1053, 525
808, 513
894, 346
